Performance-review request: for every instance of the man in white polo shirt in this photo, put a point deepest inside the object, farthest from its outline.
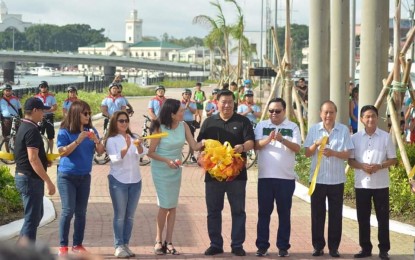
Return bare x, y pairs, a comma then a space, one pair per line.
278, 140
373, 153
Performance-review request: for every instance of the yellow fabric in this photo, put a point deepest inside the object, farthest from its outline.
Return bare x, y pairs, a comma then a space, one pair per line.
221, 161
153, 136
319, 156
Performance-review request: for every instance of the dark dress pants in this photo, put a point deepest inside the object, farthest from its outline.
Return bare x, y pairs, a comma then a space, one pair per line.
334, 195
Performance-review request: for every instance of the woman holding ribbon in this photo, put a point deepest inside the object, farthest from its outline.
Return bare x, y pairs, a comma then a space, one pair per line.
166, 170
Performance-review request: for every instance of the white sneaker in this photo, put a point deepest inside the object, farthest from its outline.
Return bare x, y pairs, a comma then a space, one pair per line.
120, 252
131, 253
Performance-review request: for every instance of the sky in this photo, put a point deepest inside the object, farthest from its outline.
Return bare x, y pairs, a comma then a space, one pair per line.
173, 17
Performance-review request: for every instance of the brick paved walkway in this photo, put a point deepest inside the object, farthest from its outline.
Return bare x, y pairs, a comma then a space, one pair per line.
190, 236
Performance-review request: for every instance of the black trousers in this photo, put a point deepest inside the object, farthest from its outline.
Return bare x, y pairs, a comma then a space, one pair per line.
364, 207
334, 195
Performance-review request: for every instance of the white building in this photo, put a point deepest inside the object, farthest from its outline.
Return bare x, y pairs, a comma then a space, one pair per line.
11, 20
133, 46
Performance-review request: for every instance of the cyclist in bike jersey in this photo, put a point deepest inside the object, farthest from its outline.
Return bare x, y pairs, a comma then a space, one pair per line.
10, 107
72, 96
248, 108
199, 98
129, 107
112, 103
190, 109
49, 100
155, 103
212, 105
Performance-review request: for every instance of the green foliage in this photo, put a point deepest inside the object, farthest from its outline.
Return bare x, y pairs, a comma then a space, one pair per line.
9, 197
178, 84
402, 201
94, 99
47, 37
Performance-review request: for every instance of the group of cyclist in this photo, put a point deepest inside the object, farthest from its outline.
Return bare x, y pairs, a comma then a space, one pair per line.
11, 109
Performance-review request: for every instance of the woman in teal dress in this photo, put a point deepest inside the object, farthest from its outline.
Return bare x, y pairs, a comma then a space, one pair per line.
167, 174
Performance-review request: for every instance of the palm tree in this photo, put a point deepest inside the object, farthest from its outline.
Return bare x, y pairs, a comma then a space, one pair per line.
218, 37
237, 32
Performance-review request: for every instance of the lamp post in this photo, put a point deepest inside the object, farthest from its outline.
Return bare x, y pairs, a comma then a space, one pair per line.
13, 39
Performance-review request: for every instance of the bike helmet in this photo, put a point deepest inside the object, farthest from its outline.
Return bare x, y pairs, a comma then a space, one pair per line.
187, 91
44, 83
72, 89
113, 85
6, 86
215, 91
247, 81
248, 93
160, 87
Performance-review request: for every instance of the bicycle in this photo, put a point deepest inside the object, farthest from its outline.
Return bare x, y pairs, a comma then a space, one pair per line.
145, 160
8, 143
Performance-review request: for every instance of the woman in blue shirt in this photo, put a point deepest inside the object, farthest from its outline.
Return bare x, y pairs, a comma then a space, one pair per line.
77, 141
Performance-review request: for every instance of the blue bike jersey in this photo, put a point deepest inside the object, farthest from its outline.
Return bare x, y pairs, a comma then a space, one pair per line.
113, 104
48, 100
6, 109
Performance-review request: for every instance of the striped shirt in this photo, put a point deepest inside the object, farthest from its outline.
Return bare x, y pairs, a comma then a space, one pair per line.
331, 168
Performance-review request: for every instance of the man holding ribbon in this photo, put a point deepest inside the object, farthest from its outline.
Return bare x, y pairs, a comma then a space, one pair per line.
327, 177
373, 153
278, 140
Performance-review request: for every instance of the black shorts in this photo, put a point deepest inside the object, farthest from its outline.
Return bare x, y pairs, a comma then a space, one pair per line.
47, 125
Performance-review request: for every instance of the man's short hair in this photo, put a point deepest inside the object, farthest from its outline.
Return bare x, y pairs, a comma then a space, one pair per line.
328, 102
278, 100
225, 92
368, 107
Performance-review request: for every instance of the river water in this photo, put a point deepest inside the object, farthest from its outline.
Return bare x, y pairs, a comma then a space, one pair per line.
34, 81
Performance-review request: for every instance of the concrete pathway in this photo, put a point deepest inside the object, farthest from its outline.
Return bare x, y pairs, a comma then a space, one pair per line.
190, 236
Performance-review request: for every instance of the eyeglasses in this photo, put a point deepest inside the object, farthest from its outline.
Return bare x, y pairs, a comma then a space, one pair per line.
271, 111
123, 121
87, 113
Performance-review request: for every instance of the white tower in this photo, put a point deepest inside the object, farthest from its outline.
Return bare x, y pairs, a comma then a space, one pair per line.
133, 28
3, 10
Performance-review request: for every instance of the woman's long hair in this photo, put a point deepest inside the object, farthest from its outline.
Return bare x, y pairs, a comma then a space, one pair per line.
112, 129
72, 121
169, 107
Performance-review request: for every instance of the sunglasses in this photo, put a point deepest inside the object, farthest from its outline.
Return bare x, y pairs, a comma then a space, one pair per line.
87, 113
123, 121
271, 111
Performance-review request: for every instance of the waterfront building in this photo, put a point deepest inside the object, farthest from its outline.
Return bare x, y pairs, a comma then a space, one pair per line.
11, 20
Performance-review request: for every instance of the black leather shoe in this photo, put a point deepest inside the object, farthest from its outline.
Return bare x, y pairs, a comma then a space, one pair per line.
334, 253
362, 254
318, 252
238, 251
384, 255
213, 251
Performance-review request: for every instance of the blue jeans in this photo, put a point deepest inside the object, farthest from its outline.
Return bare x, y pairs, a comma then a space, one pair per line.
215, 195
124, 198
31, 191
281, 191
74, 192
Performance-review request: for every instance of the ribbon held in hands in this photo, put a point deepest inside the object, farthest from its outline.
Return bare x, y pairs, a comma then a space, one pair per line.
319, 157
153, 136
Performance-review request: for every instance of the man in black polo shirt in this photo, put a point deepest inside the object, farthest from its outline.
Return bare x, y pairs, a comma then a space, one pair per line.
31, 164
237, 130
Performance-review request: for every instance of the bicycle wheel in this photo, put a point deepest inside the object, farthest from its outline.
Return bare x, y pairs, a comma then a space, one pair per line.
144, 160
250, 158
186, 152
4, 147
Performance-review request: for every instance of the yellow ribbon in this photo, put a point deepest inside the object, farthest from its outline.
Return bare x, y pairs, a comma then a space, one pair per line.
159, 135
412, 173
319, 156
